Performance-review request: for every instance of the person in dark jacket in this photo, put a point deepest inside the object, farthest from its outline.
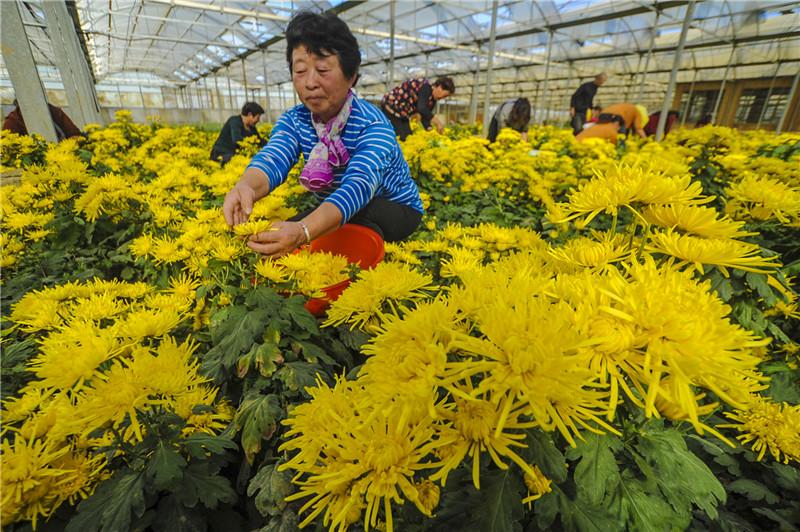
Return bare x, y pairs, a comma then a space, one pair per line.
235, 129
514, 114
415, 96
65, 128
581, 101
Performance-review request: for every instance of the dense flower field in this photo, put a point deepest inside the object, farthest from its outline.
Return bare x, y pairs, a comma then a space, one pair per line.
579, 337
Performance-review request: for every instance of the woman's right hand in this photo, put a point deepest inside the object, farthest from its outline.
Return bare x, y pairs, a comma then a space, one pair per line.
238, 204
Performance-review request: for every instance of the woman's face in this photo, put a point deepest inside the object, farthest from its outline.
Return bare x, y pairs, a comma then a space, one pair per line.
319, 82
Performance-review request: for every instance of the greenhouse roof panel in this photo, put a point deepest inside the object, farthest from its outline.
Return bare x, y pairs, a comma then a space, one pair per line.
181, 41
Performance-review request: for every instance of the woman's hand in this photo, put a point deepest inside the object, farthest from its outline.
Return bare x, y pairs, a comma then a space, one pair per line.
282, 240
238, 204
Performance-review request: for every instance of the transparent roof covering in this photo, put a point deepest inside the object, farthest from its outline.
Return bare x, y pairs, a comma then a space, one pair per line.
175, 43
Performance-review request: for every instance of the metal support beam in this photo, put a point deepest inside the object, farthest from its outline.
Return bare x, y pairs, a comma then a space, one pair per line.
220, 105
662, 119
473, 98
689, 100
392, 10
244, 79
718, 100
21, 66
649, 54
230, 92
546, 75
71, 62
266, 86
792, 93
769, 95
489, 67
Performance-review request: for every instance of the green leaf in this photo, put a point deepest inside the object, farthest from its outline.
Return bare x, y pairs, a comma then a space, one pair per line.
501, 501
200, 445
202, 484
175, 517
546, 510
296, 376
165, 466
234, 335
758, 282
597, 473
285, 522
264, 298
583, 517
681, 476
295, 309
314, 353
257, 418
112, 505
784, 518
784, 386
270, 487
787, 477
643, 511
754, 491
541, 451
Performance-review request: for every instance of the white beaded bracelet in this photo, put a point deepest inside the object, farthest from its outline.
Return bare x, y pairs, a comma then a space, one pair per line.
305, 231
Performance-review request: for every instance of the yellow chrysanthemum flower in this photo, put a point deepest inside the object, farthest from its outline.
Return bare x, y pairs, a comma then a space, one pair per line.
722, 253
695, 219
388, 288
771, 427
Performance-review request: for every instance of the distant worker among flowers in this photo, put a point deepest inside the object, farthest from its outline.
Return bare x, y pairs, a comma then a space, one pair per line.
237, 128
514, 114
65, 128
615, 120
412, 97
353, 163
582, 100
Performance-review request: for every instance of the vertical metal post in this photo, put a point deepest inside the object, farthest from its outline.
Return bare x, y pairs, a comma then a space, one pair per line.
647, 61
141, 95
473, 99
230, 92
72, 64
220, 104
631, 80
689, 99
266, 85
547, 75
392, 11
662, 120
792, 92
244, 79
489, 68
21, 66
769, 95
722, 86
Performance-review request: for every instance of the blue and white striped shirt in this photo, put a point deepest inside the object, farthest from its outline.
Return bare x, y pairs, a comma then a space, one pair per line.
376, 167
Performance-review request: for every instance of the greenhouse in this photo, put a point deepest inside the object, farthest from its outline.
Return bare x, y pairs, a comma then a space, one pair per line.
475, 265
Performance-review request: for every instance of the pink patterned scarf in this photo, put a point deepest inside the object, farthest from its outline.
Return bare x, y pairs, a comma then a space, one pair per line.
329, 152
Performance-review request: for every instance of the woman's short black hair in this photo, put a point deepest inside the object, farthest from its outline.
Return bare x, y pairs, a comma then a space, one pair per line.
520, 114
324, 34
252, 108
446, 83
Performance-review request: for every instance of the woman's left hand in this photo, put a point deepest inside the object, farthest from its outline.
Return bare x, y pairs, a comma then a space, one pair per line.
282, 240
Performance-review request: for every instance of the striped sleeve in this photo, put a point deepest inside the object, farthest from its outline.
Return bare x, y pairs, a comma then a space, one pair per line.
365, 171
280, 154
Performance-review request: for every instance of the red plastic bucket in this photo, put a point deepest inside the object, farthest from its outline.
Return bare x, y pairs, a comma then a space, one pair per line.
359, 244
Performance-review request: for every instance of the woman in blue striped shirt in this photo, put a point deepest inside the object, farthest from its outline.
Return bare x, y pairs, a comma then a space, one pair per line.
353, 161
